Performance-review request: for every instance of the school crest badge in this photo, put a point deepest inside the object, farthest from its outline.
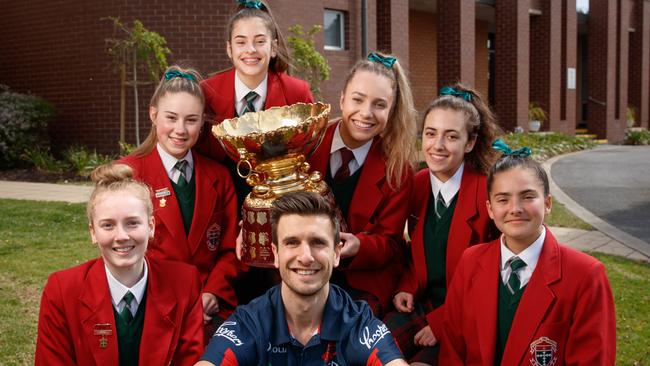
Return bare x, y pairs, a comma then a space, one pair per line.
544, 352
213, 235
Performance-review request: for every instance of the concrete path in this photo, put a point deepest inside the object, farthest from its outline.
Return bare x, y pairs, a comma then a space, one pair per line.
45, 191
579, 239
602, 186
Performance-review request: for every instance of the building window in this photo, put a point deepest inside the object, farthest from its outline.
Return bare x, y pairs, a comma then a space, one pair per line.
334, 24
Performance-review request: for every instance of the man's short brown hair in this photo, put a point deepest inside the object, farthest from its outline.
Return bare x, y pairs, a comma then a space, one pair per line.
303, 204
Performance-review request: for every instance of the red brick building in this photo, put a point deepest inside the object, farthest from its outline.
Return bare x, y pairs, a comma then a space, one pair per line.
584, 69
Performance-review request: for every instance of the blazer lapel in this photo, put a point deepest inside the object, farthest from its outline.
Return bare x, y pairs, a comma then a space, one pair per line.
321, 157
96, 314
419, 260
158, 331
168, 210
203, 204
461, 229
226, 107
367, 194
274, 91
536, 300
485, 288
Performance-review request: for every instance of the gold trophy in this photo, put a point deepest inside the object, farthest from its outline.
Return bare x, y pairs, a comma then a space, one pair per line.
270, 148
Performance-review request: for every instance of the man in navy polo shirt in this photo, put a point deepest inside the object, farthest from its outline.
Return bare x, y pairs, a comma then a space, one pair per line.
305, 320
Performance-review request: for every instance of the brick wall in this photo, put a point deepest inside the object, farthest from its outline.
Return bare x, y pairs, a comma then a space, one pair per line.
511, 72
384, 43
56, 50
545, 61
423, 57
639, 57
481, 73
602, 56
569, 98
456, 29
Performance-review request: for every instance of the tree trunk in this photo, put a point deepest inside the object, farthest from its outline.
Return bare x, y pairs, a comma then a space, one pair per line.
123, 103
135, 94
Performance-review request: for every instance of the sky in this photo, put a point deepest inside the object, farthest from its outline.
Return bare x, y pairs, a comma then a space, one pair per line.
582, 5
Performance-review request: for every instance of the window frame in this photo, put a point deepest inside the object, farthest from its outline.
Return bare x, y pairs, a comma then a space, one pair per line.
327, 47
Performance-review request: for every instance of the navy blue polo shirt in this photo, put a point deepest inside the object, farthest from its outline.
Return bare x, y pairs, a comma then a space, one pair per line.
258, 334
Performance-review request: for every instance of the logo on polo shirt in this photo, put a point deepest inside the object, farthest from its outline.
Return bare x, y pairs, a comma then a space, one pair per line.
544, 351
276, 349
228, 333
370, 340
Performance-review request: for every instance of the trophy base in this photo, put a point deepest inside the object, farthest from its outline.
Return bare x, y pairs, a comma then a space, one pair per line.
256, 225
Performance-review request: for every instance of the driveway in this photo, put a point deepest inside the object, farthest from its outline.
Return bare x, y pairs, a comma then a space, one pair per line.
613, 183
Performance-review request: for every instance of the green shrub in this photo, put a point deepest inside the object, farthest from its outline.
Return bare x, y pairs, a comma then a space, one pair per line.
82, 161
637, 136
546, 145
23, 123
306, 62
42, 159
126, 148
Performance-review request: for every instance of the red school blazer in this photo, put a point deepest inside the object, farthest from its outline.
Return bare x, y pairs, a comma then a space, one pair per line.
377, 215
566, 315
219, 91
210, 245
470, 225
76, 300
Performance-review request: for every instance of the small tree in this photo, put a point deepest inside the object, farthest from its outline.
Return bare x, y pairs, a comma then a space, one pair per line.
135, 48
306, 62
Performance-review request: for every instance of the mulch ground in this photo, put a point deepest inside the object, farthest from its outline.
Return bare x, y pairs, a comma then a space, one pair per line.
39, 176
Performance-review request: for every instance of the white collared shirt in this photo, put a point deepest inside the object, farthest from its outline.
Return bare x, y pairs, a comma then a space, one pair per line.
118, 290
169, 162
450, 188
360, 153
530, 256
241, 90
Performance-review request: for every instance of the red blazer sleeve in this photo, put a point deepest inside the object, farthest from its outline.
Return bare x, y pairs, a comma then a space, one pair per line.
295, 90
227, 267
54, 342
592, 335
408, 281
191, 342
452, 345
382, 240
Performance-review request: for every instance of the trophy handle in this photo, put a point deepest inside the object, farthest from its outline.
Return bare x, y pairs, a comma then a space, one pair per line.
250, 168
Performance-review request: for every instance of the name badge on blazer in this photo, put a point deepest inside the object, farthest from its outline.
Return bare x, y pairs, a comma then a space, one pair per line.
161, 194
102, 330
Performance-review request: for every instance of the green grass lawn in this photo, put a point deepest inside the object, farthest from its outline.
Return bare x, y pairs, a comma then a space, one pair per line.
562, 217
37, 238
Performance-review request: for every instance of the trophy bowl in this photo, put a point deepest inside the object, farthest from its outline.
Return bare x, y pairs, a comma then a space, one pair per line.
270, 148
275, 132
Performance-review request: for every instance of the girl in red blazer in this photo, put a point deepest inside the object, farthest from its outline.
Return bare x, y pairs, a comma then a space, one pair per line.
447, 215
366, 157
194, 199
257, 80
122, 308
524, 299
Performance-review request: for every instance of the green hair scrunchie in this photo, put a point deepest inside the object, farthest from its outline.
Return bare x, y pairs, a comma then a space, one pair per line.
501, 146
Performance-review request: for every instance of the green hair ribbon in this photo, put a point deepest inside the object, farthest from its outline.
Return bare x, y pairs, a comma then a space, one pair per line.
384, 60
500, 145
177, 74
448, 90
251, 4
